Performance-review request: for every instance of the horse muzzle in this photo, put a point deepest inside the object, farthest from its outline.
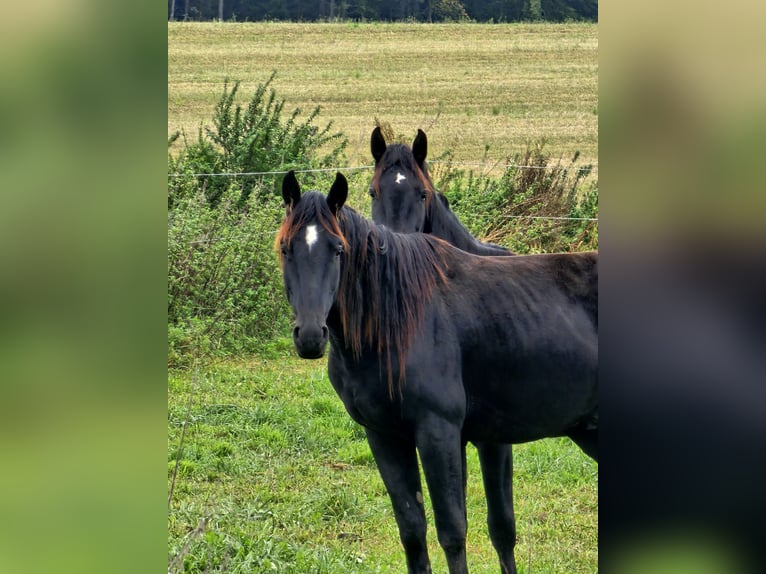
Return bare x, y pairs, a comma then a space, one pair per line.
310, 340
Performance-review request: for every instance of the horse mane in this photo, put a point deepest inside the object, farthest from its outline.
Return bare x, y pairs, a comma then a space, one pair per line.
397, 153
386, 280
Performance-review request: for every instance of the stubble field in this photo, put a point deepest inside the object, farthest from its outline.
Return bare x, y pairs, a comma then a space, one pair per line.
479, 91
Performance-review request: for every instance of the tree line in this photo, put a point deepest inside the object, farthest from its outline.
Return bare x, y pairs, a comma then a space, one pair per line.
385, 10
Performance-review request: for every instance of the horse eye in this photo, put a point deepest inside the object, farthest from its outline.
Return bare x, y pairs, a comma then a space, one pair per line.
283, 248
372, 193
339, 251
423, 196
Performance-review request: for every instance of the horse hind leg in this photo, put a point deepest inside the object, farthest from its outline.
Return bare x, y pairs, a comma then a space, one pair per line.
497, 472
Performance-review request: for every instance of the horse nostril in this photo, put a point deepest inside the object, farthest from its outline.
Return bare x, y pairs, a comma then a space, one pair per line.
325, 332
295, 332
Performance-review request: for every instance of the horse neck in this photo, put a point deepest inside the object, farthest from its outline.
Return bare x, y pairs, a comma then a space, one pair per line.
445, 225
386, 283
335, 326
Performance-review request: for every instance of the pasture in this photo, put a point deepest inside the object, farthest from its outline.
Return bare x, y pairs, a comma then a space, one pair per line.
480, 91
267, 471
284, 481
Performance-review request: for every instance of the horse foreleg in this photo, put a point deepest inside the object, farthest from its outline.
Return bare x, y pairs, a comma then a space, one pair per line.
441, 452
397, 463
497, 472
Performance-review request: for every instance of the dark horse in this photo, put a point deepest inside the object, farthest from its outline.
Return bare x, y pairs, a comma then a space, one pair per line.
431, 347
404, 198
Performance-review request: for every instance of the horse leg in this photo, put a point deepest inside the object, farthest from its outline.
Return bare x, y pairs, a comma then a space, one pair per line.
441, 451
586, 439
397, 463
497, 472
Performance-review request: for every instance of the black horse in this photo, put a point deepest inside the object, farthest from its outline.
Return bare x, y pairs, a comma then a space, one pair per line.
431, 347
404, 198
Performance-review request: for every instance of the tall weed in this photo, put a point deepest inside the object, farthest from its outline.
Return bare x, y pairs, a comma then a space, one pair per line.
545, 209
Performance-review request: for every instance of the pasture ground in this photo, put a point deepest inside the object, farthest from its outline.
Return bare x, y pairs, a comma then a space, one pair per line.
480, 91
274, 476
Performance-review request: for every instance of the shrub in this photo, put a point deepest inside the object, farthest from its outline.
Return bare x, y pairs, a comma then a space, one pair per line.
225, 290
249, 140
540, 210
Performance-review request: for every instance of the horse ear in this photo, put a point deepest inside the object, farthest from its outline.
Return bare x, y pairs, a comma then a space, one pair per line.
377, 144
338, 193
420, 147
291, 191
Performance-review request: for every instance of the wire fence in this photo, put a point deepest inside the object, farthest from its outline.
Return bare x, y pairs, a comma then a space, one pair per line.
370, 167
274, 233
589, 167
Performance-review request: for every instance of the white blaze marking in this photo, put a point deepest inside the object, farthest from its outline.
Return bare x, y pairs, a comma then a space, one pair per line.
399, 177
311, 236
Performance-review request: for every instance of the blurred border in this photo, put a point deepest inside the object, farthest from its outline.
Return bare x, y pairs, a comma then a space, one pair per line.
82, 136
82, 251
681, 141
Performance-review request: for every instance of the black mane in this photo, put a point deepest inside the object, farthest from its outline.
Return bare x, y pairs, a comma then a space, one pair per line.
386, 282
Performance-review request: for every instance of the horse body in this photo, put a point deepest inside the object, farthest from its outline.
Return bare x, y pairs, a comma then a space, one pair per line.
529, 352
527, 355
431, 347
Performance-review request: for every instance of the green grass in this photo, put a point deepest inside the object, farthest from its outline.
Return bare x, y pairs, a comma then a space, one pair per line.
274, 476
481, 91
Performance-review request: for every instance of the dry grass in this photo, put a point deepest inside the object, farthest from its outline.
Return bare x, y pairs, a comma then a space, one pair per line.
480, 91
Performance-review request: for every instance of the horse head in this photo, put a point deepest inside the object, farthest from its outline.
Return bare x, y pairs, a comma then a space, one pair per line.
311, 246
401, 189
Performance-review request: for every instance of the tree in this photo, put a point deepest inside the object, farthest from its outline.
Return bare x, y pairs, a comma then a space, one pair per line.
391, 10
448, 11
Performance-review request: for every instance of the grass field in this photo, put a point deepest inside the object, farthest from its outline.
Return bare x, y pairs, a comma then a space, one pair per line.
275, 477
480, 91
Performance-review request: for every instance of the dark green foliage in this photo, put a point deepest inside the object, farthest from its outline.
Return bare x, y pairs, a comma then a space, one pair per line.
496, 10
254, 139
526, 210
564, 10
448, 11
225, 292
388, 10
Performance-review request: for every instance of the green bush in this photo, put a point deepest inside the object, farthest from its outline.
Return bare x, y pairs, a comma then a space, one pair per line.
254, 139
225, 294
225, 291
